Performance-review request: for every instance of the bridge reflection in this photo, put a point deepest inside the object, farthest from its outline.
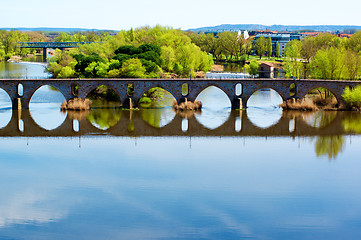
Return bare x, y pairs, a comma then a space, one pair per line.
133, 124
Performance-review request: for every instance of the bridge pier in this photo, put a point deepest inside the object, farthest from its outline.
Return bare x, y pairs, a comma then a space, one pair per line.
130, 103
45, 54
239, 103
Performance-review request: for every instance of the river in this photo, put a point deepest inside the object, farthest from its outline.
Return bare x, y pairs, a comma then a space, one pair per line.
262, 173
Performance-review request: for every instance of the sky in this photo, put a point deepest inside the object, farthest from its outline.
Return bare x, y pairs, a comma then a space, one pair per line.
185, 14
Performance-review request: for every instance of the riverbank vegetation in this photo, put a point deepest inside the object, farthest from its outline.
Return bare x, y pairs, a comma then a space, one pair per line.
352, 97
224, 46
324, 56
143, 53
9, 43
76, 104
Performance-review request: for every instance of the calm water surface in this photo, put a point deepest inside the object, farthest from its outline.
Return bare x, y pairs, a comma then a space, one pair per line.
266, 175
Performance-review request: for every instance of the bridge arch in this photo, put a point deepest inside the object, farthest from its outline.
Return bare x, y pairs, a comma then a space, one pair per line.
337, 93
88, 89
214, 101
230, 92
45, 104
283, 91
273, 97
150, 89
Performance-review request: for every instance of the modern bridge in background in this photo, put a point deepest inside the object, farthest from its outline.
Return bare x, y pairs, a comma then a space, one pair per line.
54, 45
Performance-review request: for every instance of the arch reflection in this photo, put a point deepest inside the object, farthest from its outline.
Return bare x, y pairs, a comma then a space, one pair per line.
45, 107
104, 118
319, 119
158, 117
216, 107
5, 108
263, 108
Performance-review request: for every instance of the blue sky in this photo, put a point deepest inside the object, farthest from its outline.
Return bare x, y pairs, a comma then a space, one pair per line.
118, 14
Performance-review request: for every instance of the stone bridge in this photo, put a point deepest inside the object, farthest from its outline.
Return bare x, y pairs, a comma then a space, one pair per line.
131, 124
237, 90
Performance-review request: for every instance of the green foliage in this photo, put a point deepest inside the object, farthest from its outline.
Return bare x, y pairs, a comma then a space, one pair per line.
253, 68
229, 45
293, 54
278, 52
328, 64
269, 46
83, 61
260, 46
133, 68
9, 43
66, 72
354, 43
352, 97
158, 49
127, 50
122, 57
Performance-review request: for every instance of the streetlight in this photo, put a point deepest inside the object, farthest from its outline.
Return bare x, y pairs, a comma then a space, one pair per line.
190, 74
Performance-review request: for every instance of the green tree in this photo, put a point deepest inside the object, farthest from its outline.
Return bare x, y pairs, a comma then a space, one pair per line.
133, 68
253, 68
328, 64
260, 46
229, 44
277, 49
352, 62
269, 46
354, 43
293, 56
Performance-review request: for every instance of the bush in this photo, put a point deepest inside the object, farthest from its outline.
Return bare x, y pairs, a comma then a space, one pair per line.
253, 68
352, 97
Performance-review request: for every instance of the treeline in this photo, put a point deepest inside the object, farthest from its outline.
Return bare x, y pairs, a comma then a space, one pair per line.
9, 43
143, 52
324, 56
9, 40
225, 45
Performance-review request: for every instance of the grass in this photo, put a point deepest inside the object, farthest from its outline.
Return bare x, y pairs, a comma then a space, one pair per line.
296, 104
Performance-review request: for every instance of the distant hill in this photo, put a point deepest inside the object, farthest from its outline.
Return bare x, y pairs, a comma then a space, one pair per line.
45, 29
280, 28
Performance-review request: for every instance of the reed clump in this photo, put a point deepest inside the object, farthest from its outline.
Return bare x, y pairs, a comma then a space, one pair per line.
187, 105
76, 104
300, 105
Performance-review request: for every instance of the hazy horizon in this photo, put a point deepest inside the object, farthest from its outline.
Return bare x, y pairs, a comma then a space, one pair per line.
115, 15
